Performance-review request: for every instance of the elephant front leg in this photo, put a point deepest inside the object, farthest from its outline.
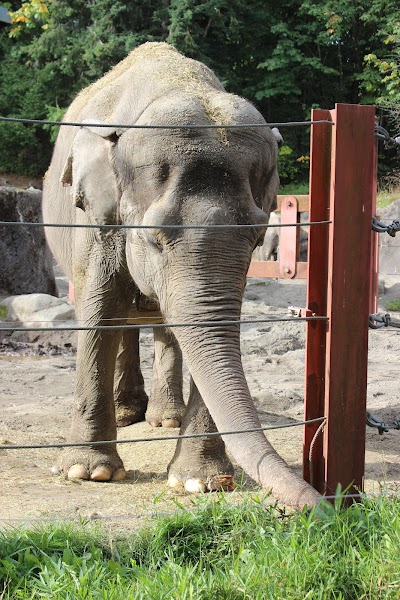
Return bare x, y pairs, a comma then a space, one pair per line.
130, 397
166, 406
94, 414
200, 464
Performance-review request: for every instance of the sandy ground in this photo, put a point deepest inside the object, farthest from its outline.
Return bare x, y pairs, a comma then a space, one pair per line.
36, 398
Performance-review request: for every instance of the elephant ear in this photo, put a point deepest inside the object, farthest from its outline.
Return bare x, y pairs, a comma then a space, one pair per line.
89, 169
278, 137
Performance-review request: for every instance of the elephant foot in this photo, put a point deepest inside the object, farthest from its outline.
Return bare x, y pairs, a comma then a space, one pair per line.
90, 465
127, 415
129, 411
196, 485
165, 414
216, 475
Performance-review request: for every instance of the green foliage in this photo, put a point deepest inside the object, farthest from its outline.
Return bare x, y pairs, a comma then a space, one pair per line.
387, 196
54, 113
294, 189
291, 167
218, 550
30, 15
285, 56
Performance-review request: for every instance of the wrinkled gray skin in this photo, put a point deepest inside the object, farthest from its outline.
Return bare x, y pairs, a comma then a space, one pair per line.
165, 177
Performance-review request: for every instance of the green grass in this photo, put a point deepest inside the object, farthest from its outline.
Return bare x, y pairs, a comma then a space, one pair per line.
3, 314
293, 189
393, 305
215, 552
386, 197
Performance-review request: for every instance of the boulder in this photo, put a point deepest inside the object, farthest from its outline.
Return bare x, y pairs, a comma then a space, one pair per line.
26, 261
39, 310
389, 247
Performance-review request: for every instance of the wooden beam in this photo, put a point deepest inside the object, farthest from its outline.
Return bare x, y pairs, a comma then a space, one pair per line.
317, 282
349, 273
270, 269
303, 201
288, 238
146, 317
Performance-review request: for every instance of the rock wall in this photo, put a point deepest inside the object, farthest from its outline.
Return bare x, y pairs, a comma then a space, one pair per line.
389, 250
26, 261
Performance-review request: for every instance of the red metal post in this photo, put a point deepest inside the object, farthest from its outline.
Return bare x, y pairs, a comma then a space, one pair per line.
349, 275
317, 282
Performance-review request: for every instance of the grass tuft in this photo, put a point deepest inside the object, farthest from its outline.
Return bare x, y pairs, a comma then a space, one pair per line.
217, 550
386, 197
393, 305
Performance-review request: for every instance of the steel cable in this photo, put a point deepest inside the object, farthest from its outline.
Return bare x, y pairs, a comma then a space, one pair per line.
159, 325
227, 226
152, 439
119, 126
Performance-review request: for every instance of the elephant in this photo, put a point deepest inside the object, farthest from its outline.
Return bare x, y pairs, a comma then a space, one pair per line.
270, 247
177, 187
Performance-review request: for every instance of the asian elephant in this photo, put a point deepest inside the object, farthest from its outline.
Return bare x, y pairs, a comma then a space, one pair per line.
169, 179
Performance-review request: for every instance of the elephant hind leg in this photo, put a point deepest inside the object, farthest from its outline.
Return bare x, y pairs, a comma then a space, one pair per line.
166, 406
200, 464
130, 398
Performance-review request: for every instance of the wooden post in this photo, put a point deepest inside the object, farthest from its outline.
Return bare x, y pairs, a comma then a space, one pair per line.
340, 282
317, 278
349, 276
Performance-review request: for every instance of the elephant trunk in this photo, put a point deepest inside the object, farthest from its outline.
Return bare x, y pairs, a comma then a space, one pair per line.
212, 290
217, 370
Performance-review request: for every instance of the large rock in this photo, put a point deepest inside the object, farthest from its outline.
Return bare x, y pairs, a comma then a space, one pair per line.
389, 247
39, 310
26, 262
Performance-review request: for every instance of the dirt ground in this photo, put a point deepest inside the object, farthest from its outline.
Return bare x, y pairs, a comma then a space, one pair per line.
36, 399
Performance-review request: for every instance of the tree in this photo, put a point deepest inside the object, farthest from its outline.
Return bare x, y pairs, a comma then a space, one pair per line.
53, 54
286, 57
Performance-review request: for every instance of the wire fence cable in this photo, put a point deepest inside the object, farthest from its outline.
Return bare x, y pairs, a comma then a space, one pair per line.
135, 126
157, 439
167, 227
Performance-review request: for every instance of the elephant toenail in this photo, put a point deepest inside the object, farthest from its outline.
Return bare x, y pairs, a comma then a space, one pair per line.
195, 486
78, 472
101, 473
174, 482
171, 423
119, 475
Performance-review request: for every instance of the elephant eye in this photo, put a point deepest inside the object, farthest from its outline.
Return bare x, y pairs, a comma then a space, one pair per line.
157, 239
79, 199
163, 173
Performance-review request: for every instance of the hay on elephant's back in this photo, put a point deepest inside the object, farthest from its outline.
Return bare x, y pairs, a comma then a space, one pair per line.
176, 71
